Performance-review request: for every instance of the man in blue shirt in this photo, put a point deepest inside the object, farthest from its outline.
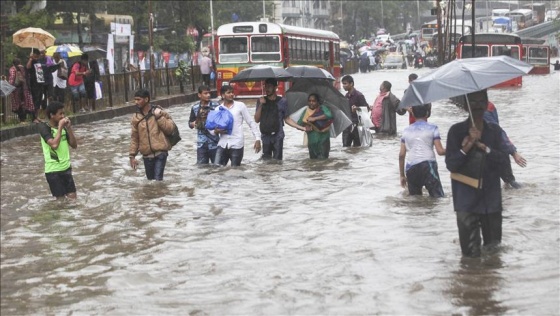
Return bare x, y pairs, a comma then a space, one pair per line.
206, 144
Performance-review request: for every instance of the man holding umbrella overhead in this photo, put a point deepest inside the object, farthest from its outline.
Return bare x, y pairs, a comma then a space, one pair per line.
270, 113
478, 209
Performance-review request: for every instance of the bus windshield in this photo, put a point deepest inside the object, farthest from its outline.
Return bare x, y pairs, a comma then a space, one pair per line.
265, 48
233, 50
428, 33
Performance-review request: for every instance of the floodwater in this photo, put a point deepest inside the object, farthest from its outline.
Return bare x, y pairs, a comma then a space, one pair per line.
302, 237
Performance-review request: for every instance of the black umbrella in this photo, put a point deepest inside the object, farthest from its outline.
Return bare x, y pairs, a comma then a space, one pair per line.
332, 98
309, 72
95, 53
262, 72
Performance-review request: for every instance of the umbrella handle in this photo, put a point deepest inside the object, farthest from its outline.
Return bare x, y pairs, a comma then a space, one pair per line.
469, 109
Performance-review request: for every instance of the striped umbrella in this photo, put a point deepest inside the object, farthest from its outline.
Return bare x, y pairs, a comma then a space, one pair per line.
66, 51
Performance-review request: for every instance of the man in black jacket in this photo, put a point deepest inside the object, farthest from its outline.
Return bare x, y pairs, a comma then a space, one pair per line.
478, 209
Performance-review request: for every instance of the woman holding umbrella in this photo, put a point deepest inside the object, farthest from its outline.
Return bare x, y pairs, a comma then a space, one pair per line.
22, 102
317, 120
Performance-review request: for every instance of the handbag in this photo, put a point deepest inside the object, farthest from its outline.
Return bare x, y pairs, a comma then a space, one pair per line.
98, 91
62, 72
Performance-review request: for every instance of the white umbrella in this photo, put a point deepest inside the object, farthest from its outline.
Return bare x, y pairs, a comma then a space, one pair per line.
462, 76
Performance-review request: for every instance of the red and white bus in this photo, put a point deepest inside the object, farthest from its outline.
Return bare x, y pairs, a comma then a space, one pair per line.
245, 44
536, 53
493, 44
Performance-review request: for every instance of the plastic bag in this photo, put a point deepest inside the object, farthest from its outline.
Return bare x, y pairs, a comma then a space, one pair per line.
98, 90
220, 118
213, 75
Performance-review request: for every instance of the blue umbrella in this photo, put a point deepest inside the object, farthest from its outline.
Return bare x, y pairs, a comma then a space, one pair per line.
66, 51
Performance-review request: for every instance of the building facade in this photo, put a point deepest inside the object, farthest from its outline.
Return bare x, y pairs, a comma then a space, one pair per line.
305, 13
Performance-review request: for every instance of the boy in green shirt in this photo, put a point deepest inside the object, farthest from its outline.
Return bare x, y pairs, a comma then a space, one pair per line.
56, 137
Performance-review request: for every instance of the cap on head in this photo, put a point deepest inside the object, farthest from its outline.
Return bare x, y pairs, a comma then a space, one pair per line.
271, 81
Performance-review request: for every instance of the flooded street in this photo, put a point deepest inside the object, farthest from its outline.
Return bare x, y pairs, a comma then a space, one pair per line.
302, 237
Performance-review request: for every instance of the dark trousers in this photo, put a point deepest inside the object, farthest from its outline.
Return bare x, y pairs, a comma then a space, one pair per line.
351, 135
272, 146
206, 79
506, 173
59, 94
224, 155
204, 155
470, 226
155, 166
425, 174
47, 93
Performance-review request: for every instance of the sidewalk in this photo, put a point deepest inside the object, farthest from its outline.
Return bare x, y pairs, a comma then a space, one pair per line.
122, 109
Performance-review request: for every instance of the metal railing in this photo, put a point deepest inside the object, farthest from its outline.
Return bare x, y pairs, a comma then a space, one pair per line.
118, 90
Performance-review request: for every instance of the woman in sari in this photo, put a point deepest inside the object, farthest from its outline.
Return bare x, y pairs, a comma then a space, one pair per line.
317, 120
21, 100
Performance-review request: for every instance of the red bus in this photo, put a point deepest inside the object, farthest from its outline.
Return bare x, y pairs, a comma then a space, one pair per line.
536, 53
493, 44
244, 44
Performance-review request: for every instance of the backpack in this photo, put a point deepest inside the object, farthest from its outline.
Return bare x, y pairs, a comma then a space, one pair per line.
270, 120
174, 137
20, 77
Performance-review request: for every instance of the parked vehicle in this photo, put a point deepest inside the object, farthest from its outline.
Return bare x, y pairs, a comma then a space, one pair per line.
395, 61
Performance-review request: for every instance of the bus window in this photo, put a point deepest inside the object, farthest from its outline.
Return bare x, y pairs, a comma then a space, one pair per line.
292, 50
300, 48
511, 51
537, 55
233, 50
481, 51
265, 48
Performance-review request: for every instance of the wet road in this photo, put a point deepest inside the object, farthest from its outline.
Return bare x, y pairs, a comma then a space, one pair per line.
302, 237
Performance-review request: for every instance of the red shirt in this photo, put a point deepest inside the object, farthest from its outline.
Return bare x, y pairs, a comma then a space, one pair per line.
74, 79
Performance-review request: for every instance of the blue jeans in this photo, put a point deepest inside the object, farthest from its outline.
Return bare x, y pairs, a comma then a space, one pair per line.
272, 146
223, 155
155, 166
205, 155
78, 92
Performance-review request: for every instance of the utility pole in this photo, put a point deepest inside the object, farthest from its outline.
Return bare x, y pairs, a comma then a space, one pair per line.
152, 66
473, 23
440, 42
418, 12
382, 16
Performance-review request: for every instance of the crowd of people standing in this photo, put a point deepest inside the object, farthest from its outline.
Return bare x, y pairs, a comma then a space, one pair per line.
44, 79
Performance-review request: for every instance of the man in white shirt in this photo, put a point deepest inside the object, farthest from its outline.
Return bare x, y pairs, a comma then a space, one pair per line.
59, 83
230, 147
206, 68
